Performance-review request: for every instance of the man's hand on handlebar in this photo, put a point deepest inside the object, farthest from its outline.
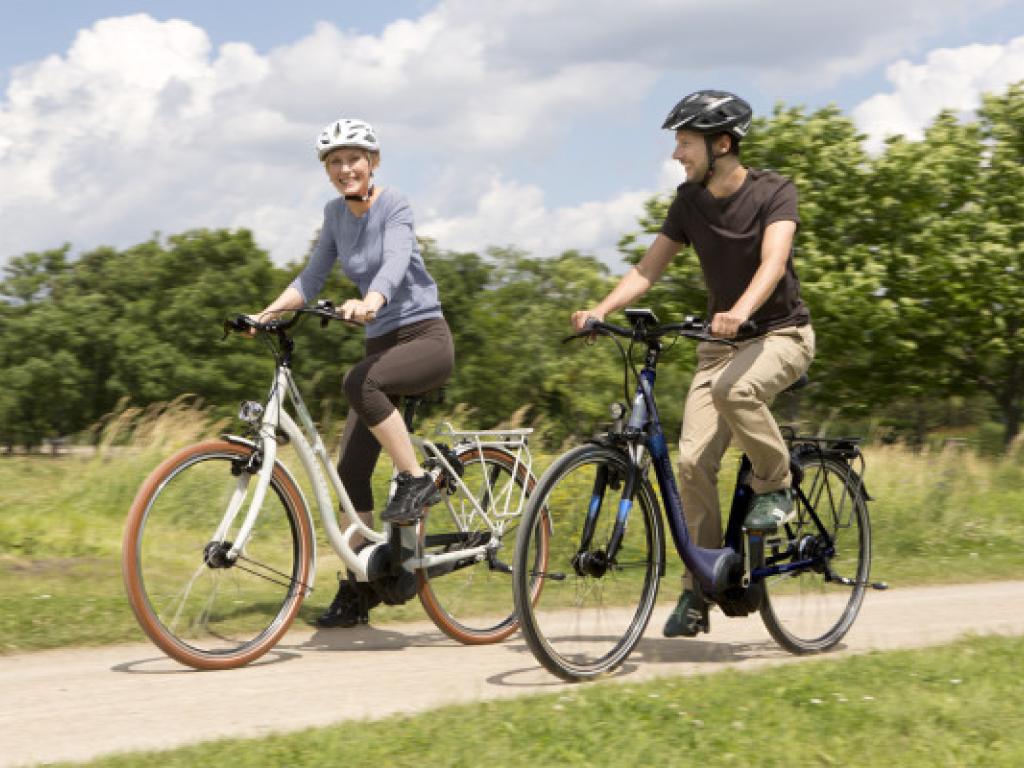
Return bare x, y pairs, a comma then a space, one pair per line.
727, 325
580, 318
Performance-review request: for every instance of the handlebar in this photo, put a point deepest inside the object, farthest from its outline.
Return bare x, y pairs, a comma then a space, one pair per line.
692, 328
325, 310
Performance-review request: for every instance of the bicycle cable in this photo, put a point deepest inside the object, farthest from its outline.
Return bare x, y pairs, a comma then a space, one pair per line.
289, 580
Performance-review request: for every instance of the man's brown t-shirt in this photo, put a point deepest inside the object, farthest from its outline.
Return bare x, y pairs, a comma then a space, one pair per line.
727, 233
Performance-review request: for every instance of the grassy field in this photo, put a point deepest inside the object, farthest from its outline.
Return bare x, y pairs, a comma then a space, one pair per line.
950, 706
947, 517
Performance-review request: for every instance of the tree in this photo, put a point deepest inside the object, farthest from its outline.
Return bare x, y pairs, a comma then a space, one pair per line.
980, 288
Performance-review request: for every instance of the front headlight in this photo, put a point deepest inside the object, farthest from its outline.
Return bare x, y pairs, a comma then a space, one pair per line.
250, 412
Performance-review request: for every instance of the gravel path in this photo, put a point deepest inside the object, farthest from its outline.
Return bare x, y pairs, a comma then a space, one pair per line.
75, 704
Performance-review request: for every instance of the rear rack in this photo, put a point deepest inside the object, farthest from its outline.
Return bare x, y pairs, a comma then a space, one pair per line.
849, 444
846, 449
515, 442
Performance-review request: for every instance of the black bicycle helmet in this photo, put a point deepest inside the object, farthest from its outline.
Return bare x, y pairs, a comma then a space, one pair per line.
711, 113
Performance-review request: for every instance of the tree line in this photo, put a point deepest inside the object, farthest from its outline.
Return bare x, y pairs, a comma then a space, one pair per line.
911, 261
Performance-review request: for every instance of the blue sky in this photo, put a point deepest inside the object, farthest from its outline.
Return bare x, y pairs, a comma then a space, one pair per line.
532, 124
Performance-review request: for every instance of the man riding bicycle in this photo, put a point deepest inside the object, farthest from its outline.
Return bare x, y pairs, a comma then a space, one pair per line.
741, 222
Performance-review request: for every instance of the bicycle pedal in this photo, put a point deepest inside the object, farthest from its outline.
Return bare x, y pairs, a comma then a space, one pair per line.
500, 567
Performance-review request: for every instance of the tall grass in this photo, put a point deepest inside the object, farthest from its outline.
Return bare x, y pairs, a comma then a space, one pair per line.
946, 515
937, 517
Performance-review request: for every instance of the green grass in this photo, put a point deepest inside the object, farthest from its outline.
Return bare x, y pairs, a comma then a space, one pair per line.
948, 706
937, 518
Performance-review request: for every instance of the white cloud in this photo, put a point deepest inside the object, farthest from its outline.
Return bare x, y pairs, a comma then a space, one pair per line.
949, 78
435, 82
671, 175
515, 214
143, 125
779, 41
140, 127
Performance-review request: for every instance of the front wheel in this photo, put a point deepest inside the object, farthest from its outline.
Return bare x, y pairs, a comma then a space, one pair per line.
593, 609
809, 610
198, 607
470, 599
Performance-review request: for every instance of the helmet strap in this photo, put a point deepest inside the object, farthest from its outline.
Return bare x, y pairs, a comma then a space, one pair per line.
709, 143
361, 198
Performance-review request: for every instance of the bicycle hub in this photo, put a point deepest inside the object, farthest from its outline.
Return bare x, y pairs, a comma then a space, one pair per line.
593, 564
215, 554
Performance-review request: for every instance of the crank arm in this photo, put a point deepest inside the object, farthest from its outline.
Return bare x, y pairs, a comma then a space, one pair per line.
880, 585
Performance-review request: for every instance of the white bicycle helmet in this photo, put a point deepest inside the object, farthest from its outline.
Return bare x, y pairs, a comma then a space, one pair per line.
346, 133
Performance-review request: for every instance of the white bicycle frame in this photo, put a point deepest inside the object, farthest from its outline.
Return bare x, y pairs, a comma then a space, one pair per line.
309, 447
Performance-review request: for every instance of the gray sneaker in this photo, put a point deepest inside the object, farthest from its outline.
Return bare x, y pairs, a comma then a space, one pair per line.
770, 510
689, 617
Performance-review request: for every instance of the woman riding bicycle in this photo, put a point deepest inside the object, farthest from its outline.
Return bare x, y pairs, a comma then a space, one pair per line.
369, 231
741, 222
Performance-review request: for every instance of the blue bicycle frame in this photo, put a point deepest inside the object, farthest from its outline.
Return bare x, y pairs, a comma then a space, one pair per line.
714, 569
710, 567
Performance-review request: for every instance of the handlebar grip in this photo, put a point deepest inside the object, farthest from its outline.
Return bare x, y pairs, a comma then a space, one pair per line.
592, 327
239, 323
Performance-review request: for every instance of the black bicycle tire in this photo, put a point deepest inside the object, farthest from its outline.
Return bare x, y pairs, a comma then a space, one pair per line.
647, 507
830, 638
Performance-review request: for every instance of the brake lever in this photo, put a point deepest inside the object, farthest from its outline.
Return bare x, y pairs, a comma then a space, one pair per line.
705, 336
325, 306
587, 332
238, 323
747, 327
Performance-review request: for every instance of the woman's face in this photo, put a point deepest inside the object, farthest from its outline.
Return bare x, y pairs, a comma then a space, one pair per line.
349, 170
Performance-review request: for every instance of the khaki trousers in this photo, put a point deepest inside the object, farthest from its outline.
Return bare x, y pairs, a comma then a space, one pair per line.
729, 397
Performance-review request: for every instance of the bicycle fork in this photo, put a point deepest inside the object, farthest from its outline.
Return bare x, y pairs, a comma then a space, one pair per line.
595, 563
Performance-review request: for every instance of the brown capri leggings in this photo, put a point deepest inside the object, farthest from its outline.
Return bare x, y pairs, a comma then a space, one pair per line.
410, 360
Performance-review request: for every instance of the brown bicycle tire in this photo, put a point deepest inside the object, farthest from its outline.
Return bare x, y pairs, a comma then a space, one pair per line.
130, 560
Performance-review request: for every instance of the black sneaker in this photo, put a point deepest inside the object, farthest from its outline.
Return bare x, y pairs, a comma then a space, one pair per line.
412, 494
349, 607
689, 617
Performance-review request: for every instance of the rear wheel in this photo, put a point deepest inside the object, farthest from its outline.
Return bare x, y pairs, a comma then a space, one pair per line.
805, 611
470, 599
592, 611
197, 606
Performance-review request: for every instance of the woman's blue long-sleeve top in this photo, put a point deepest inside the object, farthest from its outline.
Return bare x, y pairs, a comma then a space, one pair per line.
378, 252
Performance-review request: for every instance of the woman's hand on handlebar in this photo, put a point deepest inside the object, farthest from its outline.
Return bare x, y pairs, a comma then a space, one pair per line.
259, 318
359, 310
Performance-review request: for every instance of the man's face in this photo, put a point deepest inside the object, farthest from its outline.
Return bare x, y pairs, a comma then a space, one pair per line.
692, 153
